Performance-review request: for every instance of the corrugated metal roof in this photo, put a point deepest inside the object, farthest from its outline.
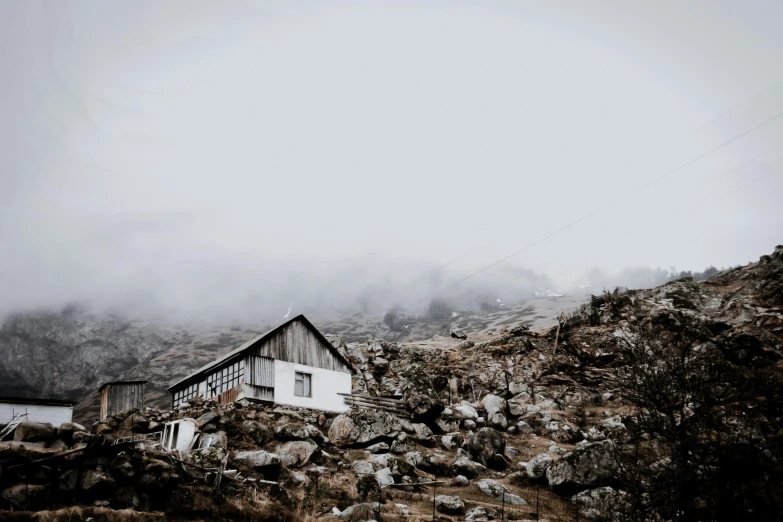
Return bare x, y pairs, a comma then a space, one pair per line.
233, 353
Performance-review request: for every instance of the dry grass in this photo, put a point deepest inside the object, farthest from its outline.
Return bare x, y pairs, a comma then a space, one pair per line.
81, 514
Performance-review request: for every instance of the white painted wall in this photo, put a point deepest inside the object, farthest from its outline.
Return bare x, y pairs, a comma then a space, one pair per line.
185, 434
325, 384
55, 415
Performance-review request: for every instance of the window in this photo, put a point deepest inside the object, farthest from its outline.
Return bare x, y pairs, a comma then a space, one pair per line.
226, 378
302, 384
185, 394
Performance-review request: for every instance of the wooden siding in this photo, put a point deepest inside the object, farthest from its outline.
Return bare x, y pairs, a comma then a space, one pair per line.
296, 343
259, 393
116, 398
228, 396
260, 378
260, 371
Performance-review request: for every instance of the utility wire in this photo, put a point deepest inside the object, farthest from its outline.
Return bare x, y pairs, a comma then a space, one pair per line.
552, 234
712, 121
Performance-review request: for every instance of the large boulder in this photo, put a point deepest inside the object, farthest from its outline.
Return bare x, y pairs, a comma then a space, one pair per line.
495, 489
257, 459
486, 445
600, 504
590, 466
384, 477
260, 433
481, 514
493, 404
462, 465
34, 432
537, 466
363, 511
66, 431
359, 427
465, 411
26, 496
297, 453
450, 505
298, 431
423, 434
98, 483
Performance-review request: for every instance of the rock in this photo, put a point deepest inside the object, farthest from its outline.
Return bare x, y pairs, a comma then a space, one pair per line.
493, 404
298, 478
537, 466
495, 489
66, 430
217, 439
26, 496
599, 504
446, 426
458, 334
469, 424
464, 345
362, 467
485, 444
452, 441
363, 427
524, 427
68, 481
58, 445
461, 481
450, 505
466, 411
464, 466
381, 460
384, 477
481, 514
498, 421
122, 469
587, 467
423, 434
260, 433
34, 432
380, 447
481, 421
296, 453
258, 459
206, 418
134, 423
518, 478
298, 431
97, 482
399, 467
363, 511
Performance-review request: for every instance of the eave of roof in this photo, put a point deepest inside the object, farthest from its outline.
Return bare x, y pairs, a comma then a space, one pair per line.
105, 384
37, 401
237, 351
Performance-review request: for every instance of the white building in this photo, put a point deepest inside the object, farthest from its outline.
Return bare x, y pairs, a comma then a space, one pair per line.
53, 411
293, 364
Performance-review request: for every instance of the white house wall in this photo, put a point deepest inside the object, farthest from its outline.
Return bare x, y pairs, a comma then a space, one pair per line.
55, 415
324, 387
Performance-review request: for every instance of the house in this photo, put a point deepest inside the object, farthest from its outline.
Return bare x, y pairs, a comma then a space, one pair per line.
119, 396
293, 364
53, 411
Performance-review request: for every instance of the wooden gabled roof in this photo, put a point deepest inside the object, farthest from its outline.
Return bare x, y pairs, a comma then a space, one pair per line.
237, 352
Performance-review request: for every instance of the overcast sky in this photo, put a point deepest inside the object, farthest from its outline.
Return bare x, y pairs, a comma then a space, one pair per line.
209, 151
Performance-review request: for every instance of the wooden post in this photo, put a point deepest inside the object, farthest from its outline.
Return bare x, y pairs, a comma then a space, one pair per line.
557, 334
434, 494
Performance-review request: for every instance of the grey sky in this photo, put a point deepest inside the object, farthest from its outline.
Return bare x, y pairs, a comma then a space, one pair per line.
210, 151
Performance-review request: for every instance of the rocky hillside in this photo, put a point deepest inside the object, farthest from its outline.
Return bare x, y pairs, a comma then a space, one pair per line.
661, 404
70, 353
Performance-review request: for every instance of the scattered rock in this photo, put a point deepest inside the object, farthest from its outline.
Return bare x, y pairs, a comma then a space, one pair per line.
359, 427
296, 453
587, 467
485, 444
450, 505
34, 432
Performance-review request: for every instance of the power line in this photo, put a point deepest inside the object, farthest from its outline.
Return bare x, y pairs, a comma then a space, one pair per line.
541, 240
713, 120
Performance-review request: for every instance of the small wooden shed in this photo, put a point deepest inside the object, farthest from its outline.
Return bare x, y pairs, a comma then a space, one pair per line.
119, 396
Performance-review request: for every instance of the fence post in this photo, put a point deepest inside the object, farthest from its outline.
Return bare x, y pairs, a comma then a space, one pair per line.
434, 494
538, 513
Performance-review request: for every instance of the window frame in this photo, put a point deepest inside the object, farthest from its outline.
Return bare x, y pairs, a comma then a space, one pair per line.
185, 394
225, 378
307, 378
